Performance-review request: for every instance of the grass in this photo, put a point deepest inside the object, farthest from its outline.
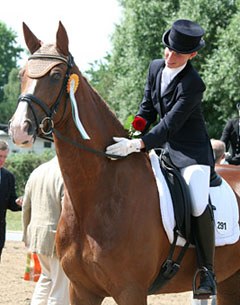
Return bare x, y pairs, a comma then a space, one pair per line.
14, 221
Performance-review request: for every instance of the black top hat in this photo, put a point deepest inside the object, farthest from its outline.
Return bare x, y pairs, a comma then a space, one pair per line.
185, 37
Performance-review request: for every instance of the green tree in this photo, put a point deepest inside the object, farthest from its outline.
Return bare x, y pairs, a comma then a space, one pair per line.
9, 54
222, 76
100, 76
11, 92
22, 164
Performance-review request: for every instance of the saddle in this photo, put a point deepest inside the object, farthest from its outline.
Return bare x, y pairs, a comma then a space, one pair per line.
180, 194
181, 200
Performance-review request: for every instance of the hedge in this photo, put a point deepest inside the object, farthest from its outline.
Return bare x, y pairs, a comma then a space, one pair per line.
22, 164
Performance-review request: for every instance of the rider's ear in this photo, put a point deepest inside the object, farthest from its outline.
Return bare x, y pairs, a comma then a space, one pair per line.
32, 42
62, 40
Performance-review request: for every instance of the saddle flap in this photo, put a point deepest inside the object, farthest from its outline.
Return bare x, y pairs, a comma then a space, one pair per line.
180, 196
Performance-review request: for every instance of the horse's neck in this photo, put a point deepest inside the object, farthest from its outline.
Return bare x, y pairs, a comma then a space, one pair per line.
78, 165
74, 159
79, 170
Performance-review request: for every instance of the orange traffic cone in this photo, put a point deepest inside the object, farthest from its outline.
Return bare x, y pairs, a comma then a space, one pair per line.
36, 267
33, 268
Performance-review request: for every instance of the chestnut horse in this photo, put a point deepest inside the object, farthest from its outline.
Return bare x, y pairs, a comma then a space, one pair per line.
110, 239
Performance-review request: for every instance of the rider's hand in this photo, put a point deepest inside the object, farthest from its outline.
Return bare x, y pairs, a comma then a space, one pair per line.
123, 147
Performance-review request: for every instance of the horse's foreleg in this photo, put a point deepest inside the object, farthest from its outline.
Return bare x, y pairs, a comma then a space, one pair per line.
81, 296
228, 291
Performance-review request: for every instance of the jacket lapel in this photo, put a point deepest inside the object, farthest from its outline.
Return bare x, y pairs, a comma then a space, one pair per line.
158, 88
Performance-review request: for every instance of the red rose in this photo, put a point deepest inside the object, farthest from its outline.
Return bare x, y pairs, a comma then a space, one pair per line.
139, 123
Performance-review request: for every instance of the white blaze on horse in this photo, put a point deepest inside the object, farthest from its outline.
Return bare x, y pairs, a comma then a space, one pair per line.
110, 240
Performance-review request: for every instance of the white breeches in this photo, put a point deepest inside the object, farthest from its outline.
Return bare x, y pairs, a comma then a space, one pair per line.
197, 178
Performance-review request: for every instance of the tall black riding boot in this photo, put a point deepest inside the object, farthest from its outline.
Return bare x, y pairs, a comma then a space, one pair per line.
204, 236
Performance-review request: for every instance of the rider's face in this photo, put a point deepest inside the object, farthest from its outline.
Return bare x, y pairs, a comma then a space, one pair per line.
175, 60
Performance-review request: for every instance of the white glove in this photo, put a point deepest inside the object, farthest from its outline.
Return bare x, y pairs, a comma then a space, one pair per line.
124, 147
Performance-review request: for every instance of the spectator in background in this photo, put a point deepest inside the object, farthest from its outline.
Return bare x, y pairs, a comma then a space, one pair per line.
231, 138
8, 197
42, 205
219, 151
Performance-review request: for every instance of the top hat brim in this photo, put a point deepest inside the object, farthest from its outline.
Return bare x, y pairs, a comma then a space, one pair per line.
165, 41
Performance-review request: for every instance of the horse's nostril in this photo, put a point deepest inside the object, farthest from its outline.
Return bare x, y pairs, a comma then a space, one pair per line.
28, 127
25, 142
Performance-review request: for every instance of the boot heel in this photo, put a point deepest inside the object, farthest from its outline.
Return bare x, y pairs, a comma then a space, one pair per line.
207, 286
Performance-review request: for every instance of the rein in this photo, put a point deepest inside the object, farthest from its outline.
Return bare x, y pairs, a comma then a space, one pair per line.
84, 147
30, 98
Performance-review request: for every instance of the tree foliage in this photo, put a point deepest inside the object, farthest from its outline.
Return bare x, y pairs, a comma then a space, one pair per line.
21, 165
11, 92
222, 76
102, 79
9, 54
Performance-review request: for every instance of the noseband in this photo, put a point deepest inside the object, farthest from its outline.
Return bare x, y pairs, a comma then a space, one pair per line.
30, 99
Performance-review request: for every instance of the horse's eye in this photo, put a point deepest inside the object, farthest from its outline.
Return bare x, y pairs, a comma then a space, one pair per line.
56, 75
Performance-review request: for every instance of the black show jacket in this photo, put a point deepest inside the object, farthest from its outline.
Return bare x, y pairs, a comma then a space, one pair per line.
181, 128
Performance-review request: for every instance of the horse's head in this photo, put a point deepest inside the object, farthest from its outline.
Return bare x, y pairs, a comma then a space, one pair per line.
55, 97
43, 85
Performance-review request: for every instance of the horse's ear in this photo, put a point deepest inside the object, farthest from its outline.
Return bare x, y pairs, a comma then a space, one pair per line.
32, 42
62, 40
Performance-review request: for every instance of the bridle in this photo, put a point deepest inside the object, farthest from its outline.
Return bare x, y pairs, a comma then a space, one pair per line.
49, 112
30, 99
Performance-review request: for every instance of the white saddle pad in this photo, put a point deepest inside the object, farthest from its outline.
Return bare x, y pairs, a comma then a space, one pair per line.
222, 197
